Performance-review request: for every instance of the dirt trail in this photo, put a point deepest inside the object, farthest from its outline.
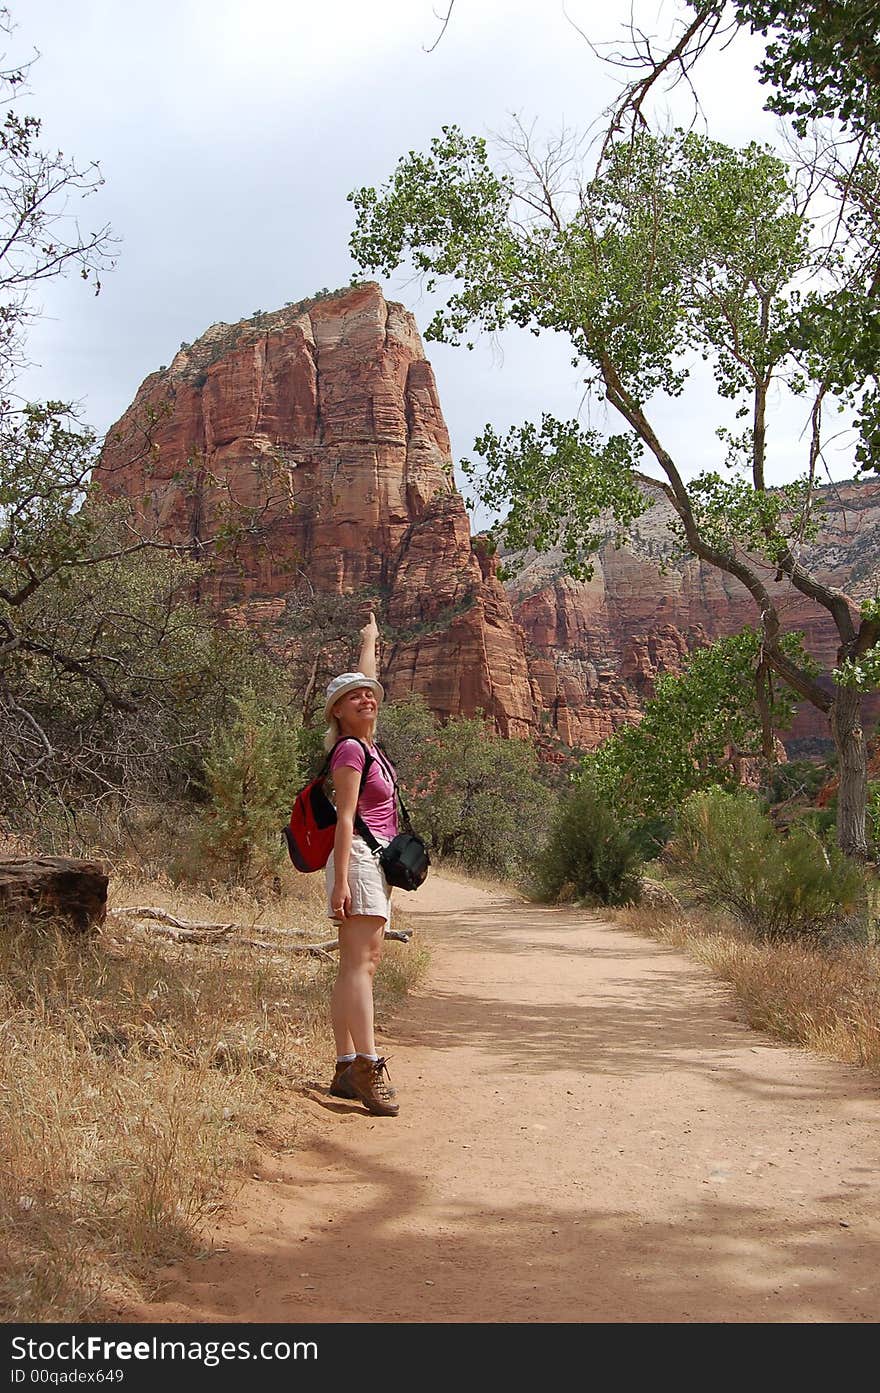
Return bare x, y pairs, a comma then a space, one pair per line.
587, 1133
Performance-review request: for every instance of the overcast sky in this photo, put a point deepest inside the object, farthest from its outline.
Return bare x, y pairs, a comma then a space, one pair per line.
229, 133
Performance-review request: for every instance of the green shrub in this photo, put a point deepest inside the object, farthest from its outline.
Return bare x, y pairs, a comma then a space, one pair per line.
589, 851
252, 772
651, 835
780, 887
873, 812
474, 796
689, 728
822, 822
799, 778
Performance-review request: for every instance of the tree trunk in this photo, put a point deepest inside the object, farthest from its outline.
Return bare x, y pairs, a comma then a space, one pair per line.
70, 892
852, 754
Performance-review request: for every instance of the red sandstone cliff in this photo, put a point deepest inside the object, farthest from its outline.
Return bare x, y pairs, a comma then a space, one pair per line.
323, 418
644, 611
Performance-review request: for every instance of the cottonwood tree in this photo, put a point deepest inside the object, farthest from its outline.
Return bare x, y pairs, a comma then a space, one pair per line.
820, 65
699, 730
676, 249
821, 60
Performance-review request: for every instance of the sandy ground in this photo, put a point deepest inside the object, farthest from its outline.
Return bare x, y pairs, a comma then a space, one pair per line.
587, 1133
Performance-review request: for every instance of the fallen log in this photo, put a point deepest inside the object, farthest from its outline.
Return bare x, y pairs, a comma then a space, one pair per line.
206, 931
163, 916
71, 892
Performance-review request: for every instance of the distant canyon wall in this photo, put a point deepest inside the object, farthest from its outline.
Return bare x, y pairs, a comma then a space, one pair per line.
323, 419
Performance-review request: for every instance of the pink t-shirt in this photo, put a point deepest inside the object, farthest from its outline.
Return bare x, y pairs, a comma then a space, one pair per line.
377, 804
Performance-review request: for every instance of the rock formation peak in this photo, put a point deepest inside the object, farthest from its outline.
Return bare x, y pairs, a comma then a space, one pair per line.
323, 419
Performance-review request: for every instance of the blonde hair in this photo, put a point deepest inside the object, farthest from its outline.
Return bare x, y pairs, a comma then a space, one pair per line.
334, 733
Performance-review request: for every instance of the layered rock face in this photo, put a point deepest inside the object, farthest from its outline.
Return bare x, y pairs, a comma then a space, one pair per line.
323, 420
596, 648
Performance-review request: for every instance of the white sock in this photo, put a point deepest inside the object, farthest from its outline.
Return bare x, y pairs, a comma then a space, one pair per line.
373, 1058
346, 1058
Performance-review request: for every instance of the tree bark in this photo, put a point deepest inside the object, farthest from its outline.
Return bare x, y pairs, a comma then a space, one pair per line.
72, 893
852, 755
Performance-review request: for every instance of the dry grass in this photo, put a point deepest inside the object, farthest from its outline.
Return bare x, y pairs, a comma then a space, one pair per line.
136, 1076
826, 999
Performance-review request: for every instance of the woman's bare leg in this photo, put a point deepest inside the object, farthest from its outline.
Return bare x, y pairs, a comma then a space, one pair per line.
351, 1004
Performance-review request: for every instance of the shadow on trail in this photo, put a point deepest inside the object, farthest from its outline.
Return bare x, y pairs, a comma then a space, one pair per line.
666, 1015
620, 1038
538, 1262
385, 1227
514, 928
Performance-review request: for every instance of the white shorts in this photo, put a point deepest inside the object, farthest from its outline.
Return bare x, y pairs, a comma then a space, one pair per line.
370, 891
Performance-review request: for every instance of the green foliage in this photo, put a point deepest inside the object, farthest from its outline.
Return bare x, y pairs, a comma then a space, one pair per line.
111, 680
650, 835
110, 677
862, 672
677, 248
457, 207
799, 778
677, 242
535, 477
694, 730
780, 887
411, 735
472, 795
822, 60
588, 850
252, 771
731, 513
45, 461
874, 814
820, 822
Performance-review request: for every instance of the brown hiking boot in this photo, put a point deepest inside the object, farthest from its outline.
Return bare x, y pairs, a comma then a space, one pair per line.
340, 1088
364, 1076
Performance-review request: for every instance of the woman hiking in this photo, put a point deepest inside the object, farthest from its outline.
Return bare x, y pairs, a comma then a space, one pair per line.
359, 897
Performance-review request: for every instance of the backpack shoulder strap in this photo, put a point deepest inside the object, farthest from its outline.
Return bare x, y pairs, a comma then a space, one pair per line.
386, 764
368, 758
389, 768
360, 826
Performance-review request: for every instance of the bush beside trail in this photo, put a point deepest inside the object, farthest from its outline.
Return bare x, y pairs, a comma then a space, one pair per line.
780, 887
589, 852
478, 799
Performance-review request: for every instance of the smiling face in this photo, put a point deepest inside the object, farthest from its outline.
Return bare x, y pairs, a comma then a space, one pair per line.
357, 710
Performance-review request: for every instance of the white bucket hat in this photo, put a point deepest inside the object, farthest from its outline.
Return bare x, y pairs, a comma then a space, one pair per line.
349, 682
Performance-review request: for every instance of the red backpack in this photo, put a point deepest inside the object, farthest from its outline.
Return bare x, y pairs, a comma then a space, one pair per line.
312, 828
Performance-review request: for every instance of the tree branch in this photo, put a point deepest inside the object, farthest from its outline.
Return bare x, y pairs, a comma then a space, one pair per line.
728, 561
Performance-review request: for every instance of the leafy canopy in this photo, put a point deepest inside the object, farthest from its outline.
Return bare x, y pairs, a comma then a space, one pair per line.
821, 59
695, 731
679, 248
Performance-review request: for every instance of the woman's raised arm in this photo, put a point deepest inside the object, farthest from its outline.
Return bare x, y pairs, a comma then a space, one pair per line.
367, 660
